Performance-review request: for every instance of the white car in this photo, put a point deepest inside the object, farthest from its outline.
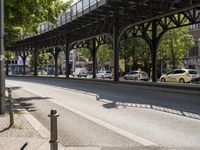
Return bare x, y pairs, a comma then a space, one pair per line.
180, 75
104, 74
137, 75
80, 72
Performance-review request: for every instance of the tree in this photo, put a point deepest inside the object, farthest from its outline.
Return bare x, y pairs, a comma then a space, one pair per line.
174, 45
172, 48
43, 58
84, 54
136, 54
105, 55
23, 18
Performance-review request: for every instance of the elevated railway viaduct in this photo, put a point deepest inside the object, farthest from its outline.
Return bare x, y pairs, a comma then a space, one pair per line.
91, 23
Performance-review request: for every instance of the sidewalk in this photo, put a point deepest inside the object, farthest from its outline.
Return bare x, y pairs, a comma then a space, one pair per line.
25, 131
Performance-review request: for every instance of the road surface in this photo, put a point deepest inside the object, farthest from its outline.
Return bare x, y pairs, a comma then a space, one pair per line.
112, 116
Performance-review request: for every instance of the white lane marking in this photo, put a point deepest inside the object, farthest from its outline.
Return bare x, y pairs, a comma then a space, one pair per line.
122, 132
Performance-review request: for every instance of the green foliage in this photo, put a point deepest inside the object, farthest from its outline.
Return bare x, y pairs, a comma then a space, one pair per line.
9, 55
105, 55
43, 58
174, 45
84, 54
172, 48
136, 54
23, 17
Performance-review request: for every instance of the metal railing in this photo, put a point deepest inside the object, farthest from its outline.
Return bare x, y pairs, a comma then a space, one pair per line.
76, 10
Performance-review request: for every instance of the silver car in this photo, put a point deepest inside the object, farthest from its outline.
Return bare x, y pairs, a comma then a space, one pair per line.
104, 74
137, 75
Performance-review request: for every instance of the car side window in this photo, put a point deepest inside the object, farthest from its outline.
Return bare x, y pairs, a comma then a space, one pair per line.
171, 72
192, 72
179, 71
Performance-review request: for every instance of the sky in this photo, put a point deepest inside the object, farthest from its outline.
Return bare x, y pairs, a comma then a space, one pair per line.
68, 0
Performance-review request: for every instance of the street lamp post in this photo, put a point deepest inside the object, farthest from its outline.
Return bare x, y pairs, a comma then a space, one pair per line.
2, 74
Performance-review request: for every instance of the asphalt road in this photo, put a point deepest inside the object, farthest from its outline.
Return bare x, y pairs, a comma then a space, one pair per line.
113, 115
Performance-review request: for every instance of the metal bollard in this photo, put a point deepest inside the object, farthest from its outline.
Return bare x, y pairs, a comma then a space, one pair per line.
54, 134
10, 106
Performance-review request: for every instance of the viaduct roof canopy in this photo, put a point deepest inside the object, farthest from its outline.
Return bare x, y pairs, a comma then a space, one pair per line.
89, 18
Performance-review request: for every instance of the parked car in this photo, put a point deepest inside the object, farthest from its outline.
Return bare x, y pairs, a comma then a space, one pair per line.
104, 74
180, 75
80, 72
137, 75
42, 72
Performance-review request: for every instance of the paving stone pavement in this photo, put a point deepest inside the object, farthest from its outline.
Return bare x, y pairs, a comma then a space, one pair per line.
25, 131
21, 127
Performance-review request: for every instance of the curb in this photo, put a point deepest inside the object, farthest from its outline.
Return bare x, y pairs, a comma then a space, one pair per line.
37, 126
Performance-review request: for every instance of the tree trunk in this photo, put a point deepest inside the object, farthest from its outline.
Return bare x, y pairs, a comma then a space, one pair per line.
7, 67
173, 54
125, 62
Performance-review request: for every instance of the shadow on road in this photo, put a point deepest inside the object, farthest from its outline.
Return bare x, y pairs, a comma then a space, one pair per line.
24, 102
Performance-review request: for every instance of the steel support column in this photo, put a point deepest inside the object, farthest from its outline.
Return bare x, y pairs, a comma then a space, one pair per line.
67, 71
94, 49
23, 56
35, 62
116, 47
2, 58
56, 61
154, 47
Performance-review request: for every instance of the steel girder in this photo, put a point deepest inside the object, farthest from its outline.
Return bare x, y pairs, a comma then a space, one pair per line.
100, 40
140, 11
99, 21
181, 19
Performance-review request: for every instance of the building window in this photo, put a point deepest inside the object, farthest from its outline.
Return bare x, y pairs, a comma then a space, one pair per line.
194, 51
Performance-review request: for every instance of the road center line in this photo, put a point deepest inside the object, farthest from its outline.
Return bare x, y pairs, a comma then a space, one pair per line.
122, 132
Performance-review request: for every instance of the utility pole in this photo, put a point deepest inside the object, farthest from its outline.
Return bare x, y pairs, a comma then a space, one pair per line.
2, 74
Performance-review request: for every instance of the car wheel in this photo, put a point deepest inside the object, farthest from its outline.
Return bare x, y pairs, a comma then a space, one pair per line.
103, 77
125, 78
136, 78
163, 80
181, 80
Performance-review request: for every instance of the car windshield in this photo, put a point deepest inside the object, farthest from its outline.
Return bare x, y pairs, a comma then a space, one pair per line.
133, 72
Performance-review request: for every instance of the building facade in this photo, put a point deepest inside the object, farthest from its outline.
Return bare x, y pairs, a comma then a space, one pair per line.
15, 66
192, 59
